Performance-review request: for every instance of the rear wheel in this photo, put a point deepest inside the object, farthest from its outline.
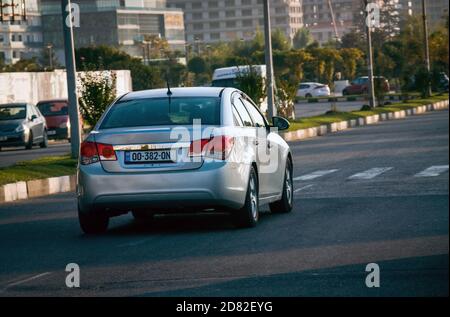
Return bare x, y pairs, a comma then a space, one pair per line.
248, 215
93, 222
29, 144
285, 204
44, 142
308, 95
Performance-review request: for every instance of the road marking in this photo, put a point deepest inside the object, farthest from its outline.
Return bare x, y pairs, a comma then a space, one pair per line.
371, 173
302, 188
314, 175
25, 280
433, 171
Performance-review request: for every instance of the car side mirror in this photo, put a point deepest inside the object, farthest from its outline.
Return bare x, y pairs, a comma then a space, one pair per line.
33, 117
280, 123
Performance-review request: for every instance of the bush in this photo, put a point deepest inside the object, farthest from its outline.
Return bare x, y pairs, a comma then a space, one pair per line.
251, 83
97, 92
366, 108
286, 95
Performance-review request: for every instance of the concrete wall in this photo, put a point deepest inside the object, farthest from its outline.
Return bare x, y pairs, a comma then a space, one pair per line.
32, 87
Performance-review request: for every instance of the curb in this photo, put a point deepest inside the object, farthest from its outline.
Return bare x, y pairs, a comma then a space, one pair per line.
343, 125
37, 188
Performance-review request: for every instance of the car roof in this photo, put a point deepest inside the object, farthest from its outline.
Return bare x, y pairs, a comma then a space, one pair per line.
52, 100
310, 83
176, 92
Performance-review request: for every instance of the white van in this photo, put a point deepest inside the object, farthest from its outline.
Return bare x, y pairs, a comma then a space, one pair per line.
226, 77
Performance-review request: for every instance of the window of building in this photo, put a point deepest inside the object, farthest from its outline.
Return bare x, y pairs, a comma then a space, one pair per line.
231, 24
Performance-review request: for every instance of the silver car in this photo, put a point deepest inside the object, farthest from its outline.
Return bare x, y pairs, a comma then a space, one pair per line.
183, 150
22, 124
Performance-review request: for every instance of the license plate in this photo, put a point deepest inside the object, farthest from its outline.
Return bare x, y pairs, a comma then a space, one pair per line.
51, 132
3, 138
140, 157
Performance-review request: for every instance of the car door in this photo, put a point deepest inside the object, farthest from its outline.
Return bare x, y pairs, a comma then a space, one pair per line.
267, 156
37, 124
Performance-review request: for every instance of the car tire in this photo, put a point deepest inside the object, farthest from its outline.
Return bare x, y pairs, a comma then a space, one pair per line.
285, 204
93, 222
308, 96
44, 143
248, 215
344, 92
29, 144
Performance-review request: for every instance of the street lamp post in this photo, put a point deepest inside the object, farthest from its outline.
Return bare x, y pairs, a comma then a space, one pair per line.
370, 86
271, 111
75, 136
426, 45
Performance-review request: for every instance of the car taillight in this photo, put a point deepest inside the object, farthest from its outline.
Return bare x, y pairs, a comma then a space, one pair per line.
218, 147
92, 152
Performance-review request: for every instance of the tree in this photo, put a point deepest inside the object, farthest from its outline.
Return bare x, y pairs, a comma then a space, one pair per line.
97, 92
280, 41
252, 83
302, 38
349, 61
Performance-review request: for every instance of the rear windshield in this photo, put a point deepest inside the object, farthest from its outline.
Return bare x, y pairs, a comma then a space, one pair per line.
13, 112
53, 109
161, 111
228, 82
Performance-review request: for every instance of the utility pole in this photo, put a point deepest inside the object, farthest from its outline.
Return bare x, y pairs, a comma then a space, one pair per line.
50, 55
370, 83
426, 46
71, 77
271, 110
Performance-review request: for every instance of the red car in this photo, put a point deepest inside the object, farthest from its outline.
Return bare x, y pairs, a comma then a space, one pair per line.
360, 85
57, 117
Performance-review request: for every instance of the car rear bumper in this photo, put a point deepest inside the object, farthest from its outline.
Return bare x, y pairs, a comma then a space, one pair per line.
213, 185
58, 133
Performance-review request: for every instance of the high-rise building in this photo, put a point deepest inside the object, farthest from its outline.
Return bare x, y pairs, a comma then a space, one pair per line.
21, 38
210, 21
317, 16
437, 10
124, 24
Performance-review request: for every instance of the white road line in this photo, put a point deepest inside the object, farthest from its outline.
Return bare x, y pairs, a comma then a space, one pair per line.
314, 175
433, 171
132, 244
371, 173
26, 280
303, 188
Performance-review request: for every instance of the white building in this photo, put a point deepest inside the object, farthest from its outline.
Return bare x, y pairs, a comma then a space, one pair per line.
21, 39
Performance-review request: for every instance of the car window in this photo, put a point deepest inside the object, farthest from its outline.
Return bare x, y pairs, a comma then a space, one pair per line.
257, 117
243, 113
304, 86
13, 112
237, 118
56, 108
163, 111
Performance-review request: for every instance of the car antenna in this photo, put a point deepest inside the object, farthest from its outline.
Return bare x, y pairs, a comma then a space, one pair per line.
169, 92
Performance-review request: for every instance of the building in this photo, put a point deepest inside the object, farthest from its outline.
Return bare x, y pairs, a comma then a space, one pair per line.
209, 21
21, 38
437, 10
124, 24
317, 16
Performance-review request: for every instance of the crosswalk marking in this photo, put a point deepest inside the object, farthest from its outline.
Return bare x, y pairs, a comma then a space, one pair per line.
433, 171
370, 173
314, 175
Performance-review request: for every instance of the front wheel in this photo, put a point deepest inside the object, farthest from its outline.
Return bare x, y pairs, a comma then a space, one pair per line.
93, 222
284, 205
29, 144
44, 142
248, 215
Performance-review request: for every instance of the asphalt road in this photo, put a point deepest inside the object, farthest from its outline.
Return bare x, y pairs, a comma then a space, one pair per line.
361, 197
10, 156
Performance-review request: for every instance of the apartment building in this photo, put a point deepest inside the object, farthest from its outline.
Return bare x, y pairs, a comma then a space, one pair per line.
209, 21
120, 23
21, 36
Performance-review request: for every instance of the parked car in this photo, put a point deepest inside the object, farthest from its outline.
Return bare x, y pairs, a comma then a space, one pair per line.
309, 90
22, 124
57, 117
132, 159
360, 85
